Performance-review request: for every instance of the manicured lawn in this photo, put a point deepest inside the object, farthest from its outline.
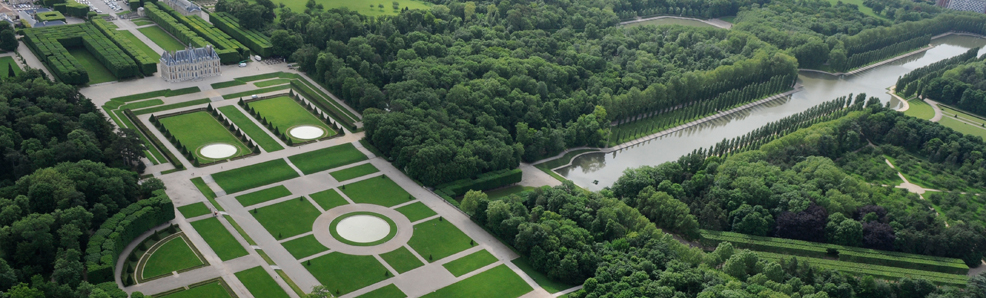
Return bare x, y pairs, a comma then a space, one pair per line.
260, 174
324, 159
335, 234
256, 133
344, 273
357, 171
507, 191
273, 82
260, 284
97, 72
402, 260
199, 129
207, 192
162, 38
361, 6
965, 128
140, 44
919, 109
193, 210
210, 290
142, 21
5, 63
499, 282
288, 218
265, 195
172, 106
436, 239
862, 8
219, 238
469, 263
388, 291
328, 199
285, 113
416, 211
174, 255
304, 246
541, 279
377, 190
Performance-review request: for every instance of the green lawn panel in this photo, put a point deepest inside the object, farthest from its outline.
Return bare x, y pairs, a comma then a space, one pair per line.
162, 38
142, 22
251, 129
388, 291
377, 190
237, 180
499, 282
286, 113
97, 72
260, 284
542, 280
199, 129
402, 260
173, 255
273, 82
265, 195
304, 246
219, 238
5, 63
210, 290
193, 210
288, 218
354, 172
364, 7
142, 104
469, 263
139, 44
344, 273
416, 211
255, 92
172, 106
328, 199
435, 239
207, 192
324, 159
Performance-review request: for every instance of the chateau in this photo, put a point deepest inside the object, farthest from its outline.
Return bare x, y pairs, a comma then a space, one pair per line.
183, 7
189, 64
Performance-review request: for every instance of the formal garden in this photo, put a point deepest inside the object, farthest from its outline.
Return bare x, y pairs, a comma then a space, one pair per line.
200, 135
289, 120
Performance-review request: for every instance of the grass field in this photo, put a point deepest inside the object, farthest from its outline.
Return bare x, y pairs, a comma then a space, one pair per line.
285, 113
402, 260
162, 38
250, 128
378, 190
209, 290
273, 82
5, 63
328, 199
963, 121
219, 238
416, 211
324, 159
199, 129
357, 171
538, 277
140, 44
388, 291
919, 109
173, 255
236, 180
97, 72
260, 284
141, 21
193, 210
863, 8
304, 246
265, 195
361, 6
499, 282
963, 127
436, 239
172, 106
288, 218
342, 273
142, 104
469, 263
507, 191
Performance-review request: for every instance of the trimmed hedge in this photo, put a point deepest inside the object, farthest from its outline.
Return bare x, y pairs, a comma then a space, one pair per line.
49, 16
253, 39
883, 272
113, 236
326, 104
229, 50
485, 181
50, 44
154, 140
147, 64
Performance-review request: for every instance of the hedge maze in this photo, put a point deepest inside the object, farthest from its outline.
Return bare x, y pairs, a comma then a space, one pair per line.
196, 32
51, 45
253, 39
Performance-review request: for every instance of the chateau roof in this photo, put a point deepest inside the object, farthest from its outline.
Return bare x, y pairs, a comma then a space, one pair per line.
189, 55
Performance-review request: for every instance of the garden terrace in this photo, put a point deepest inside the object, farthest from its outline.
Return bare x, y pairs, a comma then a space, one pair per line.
283, 114
193, 132
52, 44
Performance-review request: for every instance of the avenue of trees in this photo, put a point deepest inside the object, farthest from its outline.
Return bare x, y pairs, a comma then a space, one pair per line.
957, 82
64, 173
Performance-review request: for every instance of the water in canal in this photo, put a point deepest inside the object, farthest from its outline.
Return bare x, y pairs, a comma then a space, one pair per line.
607, 167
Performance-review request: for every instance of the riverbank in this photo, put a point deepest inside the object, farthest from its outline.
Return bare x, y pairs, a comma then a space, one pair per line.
870, 66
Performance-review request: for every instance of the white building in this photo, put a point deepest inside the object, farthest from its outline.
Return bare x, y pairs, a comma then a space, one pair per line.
189, 64
184, 7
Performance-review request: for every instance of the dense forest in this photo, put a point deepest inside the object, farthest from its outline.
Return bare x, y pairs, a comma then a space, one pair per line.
959, 82
65, 172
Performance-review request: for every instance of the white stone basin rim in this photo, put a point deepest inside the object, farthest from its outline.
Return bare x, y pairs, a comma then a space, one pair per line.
363, 228
307, 132
218, 151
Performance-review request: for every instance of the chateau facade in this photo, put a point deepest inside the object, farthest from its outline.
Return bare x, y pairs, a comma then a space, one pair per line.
189, 64
183, 7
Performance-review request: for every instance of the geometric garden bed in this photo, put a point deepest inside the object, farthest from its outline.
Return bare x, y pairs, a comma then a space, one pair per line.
200, 136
